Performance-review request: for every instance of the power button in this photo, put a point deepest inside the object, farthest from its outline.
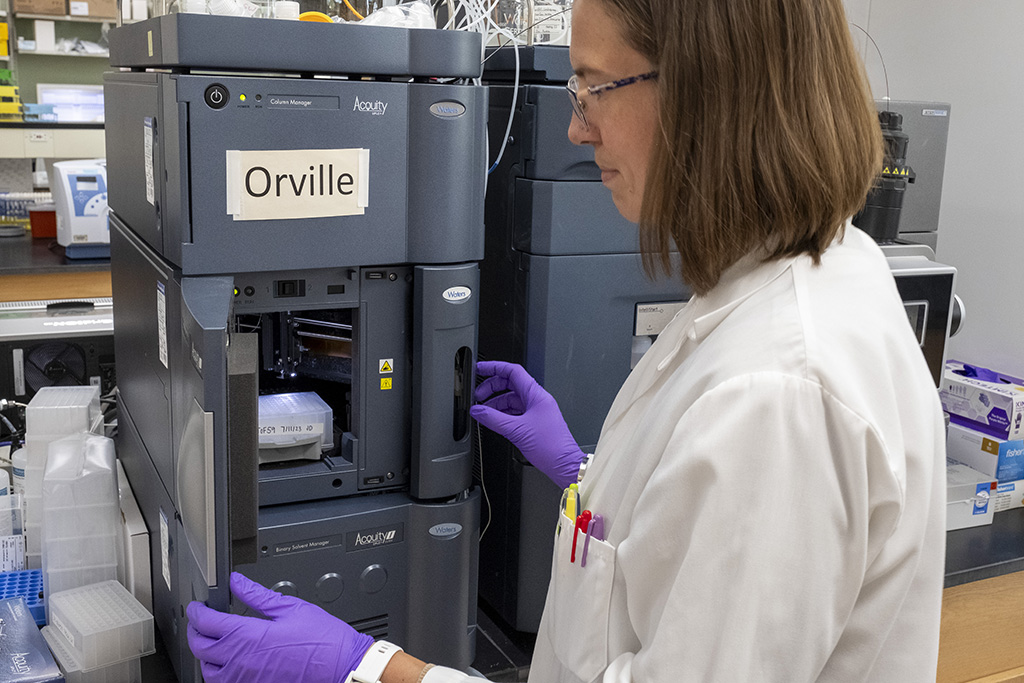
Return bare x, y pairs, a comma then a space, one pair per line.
216, 96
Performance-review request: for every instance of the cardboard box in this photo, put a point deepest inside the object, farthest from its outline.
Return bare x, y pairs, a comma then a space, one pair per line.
968, 497
1009, 496
994, 405
133, 571
1001, 459
93, 8
56, 7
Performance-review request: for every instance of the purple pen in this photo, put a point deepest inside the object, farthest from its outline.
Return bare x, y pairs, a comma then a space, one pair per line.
595, 529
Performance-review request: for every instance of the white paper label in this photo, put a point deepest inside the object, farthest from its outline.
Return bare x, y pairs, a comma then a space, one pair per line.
12, 549
289, 427
165, 549
161, 321
64, 630
78, 9
18, 358
147, 151
297, 183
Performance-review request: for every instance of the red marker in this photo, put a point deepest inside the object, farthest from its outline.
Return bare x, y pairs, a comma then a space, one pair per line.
582, 521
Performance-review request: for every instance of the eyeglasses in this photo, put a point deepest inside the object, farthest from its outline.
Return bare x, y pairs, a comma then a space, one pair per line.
579, 108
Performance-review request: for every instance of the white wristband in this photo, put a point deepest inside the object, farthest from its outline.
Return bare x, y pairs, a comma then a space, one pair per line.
374, 662
583, 467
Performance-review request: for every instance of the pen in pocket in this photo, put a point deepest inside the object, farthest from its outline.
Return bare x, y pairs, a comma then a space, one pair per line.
581, 525
596, 530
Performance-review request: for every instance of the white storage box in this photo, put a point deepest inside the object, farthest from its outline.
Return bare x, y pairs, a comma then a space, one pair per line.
297, 426
134, 565
129, 671
969, 496
102, 624
994, 405
61, 411
1001, 459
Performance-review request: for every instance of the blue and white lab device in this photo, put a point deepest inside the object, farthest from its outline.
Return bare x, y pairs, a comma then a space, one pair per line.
80, 192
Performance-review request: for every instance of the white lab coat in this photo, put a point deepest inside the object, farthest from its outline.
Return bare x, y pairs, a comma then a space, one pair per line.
772, 480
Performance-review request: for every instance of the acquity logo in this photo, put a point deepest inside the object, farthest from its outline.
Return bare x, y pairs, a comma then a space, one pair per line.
375, 537
377, 108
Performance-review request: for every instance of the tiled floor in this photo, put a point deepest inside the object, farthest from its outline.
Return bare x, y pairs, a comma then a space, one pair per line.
502, 654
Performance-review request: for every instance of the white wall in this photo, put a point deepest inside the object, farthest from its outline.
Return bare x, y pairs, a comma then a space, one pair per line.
971, 55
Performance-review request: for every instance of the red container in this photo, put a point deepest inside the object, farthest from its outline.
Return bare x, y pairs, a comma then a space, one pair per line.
43, 219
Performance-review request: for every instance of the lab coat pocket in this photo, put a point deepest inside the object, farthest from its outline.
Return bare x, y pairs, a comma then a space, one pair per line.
579, 600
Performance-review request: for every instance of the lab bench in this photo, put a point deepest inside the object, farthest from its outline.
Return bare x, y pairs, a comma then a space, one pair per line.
35, 269
983, 603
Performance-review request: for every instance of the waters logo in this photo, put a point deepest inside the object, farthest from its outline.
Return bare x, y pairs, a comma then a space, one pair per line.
456, 294
447, 110
445, 531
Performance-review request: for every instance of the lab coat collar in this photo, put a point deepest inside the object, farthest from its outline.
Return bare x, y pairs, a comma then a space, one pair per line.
701, 316
738, 283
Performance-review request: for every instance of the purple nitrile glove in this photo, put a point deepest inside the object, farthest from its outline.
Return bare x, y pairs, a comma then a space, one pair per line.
298, 642
983, 374
529, 417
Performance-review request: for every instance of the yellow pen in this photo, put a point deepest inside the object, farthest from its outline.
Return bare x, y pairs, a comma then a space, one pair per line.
572, 501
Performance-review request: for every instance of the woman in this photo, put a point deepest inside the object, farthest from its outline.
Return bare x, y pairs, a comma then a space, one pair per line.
770, 477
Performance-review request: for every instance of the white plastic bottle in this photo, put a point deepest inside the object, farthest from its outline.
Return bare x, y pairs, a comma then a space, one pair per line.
18, 461
6, 513
286, 9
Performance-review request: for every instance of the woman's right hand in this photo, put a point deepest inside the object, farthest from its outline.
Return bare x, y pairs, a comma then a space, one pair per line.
512, 404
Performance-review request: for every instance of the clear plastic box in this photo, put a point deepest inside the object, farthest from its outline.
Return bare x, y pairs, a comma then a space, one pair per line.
87, 551
53, 413
102, 624
294, 426
81, 518
87, 520
129, 671
58, 580
60, 411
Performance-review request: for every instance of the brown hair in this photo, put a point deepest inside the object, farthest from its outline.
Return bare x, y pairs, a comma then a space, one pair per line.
769, 137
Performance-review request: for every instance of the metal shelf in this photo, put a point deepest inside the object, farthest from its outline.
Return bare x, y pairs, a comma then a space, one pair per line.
61, 54
65, 17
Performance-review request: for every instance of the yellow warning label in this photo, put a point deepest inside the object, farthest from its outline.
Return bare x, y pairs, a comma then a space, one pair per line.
385, 365
385, 383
